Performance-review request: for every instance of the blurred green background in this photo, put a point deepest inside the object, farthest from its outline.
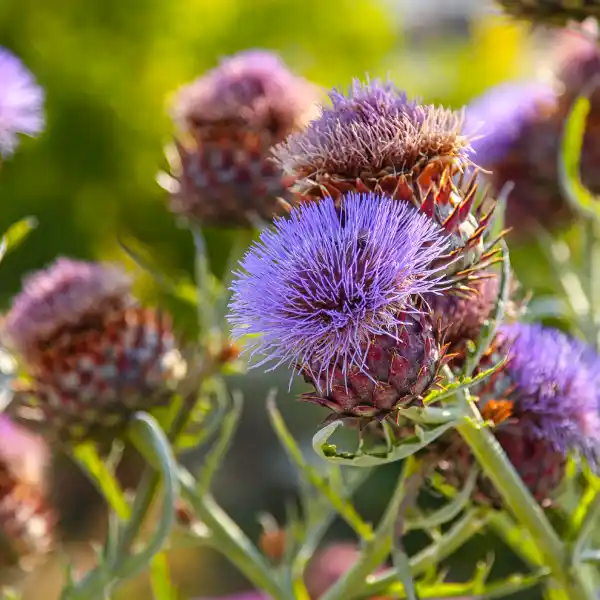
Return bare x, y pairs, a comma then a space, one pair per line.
109, 67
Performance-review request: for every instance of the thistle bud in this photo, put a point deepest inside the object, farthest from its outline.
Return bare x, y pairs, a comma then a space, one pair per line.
21, 103
93, 356
336, 295
229, 119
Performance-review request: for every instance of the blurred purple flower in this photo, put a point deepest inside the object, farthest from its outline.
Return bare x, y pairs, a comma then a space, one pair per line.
253, 89
60, 297
320, 285
92, 354
496, 120
21, 103
230, 118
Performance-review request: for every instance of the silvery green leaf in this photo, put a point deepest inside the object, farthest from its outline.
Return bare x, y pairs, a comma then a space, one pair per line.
398, 450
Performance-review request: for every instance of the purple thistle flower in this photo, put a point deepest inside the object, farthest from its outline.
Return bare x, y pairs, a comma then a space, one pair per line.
21, 103
375, 139
553, 384
520, 125
544, 403
497, 119
325, 285
318, 286
371, 128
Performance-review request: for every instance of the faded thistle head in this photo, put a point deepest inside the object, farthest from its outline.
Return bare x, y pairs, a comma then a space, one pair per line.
373, 138
335, 294
229, 119
544, 403
92, 355
21, 103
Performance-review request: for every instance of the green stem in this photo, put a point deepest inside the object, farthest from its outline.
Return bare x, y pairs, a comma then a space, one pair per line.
87, 457
462, 531
376, 549
588, 525
497, 467
231, 541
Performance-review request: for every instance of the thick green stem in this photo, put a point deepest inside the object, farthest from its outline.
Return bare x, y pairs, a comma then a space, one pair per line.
497, 467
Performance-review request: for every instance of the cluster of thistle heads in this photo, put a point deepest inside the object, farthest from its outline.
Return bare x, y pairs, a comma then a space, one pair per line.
376, 270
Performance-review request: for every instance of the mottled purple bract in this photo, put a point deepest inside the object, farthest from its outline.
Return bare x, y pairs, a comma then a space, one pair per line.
60, 296
21, 103
497, 118
323, 282
556, 381
372, 127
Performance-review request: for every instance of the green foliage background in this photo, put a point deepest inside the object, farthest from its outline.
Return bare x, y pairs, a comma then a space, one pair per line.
109, 66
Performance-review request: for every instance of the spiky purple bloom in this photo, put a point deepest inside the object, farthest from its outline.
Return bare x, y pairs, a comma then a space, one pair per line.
319, 285
330, 292
92, 354
21, 103
552, 381
373, 138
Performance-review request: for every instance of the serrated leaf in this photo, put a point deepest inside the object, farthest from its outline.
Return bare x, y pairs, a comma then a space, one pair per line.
16, 235
399, 450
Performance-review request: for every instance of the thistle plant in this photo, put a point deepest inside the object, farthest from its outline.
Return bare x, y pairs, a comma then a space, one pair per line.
383, 281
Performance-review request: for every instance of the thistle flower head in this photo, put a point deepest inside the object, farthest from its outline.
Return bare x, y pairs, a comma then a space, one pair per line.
252, 90
552, 382
372, 128
223, 173
322, 284
92, 354
551, 12
498, 119
519, 128
21, 103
